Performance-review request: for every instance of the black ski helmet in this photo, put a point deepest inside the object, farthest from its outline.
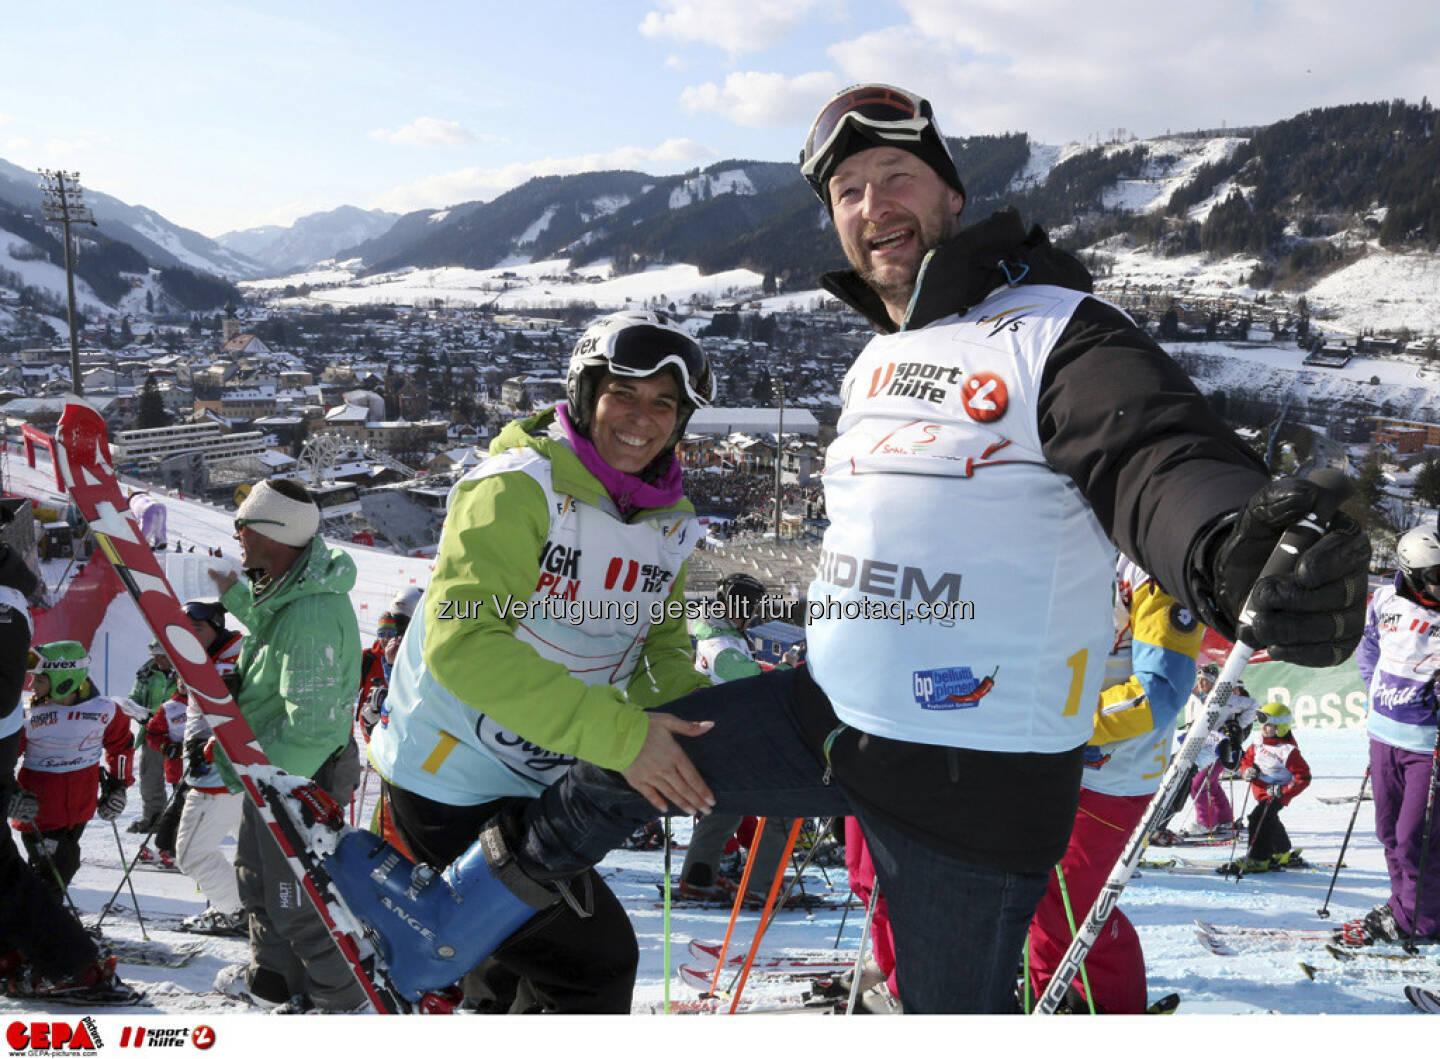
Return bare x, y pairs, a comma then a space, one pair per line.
637, 344
210, 611
740, 596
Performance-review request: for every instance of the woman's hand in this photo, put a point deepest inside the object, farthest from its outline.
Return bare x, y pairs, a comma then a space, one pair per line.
663, 773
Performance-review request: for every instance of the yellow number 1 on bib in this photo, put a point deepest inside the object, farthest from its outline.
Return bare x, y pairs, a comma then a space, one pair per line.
1076, 662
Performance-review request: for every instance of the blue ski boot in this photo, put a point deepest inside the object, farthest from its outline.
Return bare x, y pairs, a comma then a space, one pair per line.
434, 927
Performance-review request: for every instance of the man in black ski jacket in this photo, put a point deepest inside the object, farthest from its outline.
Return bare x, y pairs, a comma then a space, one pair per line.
1002, 435
44, 951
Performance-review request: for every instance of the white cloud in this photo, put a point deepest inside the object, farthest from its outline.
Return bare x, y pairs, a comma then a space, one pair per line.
17, 146
67, 149
466, 185
734, 25
1062, 71
431, 132
5, 117
758, 99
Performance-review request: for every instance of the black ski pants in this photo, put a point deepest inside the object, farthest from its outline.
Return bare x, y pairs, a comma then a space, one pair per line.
1268, 836
35, 920
54, 853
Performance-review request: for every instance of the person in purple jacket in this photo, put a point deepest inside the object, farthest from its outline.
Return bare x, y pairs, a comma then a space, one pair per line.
1399, 659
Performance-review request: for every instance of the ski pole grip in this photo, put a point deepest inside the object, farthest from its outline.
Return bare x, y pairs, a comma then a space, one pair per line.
1333, 488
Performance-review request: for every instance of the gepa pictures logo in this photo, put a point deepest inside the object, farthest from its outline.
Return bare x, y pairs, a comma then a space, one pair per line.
60, 1038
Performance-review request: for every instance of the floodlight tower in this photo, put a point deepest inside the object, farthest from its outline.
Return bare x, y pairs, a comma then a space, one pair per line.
64, 204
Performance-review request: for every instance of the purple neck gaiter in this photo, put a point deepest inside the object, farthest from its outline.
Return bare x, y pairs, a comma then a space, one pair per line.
630, 492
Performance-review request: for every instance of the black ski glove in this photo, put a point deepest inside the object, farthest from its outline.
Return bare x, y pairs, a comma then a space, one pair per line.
1229, 749
195, 763
112, 797
173, 751
1313, 615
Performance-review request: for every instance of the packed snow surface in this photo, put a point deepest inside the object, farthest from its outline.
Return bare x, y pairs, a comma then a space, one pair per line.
1261, 978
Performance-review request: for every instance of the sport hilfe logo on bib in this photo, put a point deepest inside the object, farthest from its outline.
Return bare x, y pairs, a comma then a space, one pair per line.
953, 688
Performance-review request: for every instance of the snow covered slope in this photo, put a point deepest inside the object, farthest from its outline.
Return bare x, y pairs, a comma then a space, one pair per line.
1162, 906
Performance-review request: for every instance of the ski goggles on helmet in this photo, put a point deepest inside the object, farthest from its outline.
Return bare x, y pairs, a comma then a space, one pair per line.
641, 350
199, 610
888, 114
1428, 576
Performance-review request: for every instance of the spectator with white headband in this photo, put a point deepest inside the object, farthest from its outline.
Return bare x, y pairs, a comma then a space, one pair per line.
298, 673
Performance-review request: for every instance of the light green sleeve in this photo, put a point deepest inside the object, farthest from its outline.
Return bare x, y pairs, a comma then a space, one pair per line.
734, 664
490, 550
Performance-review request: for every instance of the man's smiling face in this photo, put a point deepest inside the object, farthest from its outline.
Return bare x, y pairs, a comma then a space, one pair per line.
890, 210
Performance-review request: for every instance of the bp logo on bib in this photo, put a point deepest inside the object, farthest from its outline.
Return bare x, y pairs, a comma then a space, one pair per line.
952, 688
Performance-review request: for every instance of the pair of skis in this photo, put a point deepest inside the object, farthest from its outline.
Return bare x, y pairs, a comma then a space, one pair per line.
80, 452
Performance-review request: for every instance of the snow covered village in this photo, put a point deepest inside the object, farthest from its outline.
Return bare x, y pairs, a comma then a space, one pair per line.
901, 520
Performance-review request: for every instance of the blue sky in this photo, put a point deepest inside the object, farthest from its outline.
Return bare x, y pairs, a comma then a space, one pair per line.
231, 115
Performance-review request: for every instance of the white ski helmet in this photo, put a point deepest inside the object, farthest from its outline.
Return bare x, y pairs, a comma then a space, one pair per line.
1419, 553
637, 344
405, 601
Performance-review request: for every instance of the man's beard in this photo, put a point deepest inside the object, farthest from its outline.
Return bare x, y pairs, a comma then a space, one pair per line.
900, 286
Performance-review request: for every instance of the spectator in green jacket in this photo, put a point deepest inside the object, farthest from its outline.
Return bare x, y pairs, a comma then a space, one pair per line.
154, 684
298, 677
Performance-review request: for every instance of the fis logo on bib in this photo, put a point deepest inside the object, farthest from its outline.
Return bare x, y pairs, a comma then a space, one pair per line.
953, 688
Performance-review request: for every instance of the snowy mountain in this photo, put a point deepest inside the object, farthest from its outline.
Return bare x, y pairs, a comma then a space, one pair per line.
163, 243
316, 237
1296, 200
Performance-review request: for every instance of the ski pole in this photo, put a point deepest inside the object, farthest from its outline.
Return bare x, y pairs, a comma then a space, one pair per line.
1410, 946
1070, 919
42, 847
795, 859
120, 848
871, 906
1324, 911
105, 911
1025, 978
735, 910
1282, 559
1235, 825
666, 897
785, 896
1259, 830
765, 915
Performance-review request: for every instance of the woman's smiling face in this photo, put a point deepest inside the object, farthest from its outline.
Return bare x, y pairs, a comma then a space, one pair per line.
634, 418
